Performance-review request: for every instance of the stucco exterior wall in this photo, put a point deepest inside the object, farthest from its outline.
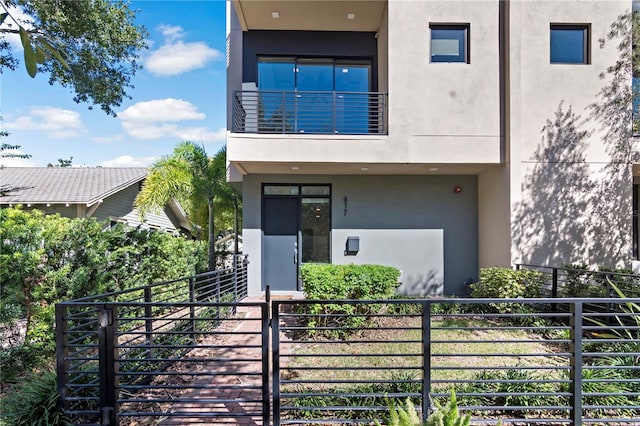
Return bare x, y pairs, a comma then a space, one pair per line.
456, 104
570, 200
416, 223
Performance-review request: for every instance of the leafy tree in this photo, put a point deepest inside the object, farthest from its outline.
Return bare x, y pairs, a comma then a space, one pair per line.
90, 46
9, 151
62, 162
197, 181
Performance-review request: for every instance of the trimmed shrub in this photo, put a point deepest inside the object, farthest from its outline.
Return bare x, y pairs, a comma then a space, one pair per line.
504, 283
345, 282
324, 281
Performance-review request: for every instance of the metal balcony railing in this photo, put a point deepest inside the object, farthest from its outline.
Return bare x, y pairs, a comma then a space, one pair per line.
295, 112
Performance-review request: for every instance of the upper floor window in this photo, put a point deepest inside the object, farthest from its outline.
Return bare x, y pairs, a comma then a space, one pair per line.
569, 44
449, 43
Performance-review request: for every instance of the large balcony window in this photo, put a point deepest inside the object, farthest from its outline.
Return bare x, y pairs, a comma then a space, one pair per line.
310, 95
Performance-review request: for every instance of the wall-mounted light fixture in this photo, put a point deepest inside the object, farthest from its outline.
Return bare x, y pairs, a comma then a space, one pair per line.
346, 201
457, 189
352, 246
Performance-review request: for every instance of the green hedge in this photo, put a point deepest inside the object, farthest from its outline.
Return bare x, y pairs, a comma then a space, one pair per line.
323, 281
344, 282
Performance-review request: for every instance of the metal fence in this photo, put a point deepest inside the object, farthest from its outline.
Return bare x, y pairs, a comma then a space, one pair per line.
190, 351
580, 282
155, 351
509, 361
348, 113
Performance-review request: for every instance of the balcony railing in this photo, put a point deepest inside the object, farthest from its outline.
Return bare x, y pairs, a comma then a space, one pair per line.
295, 112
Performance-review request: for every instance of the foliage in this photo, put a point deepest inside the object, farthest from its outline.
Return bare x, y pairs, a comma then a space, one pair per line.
34, 403
447, 415
90, 46
504, 283
325, 281
627, 331
344, 282
48, 259
9, 151
512, 388
62, 162
198, 182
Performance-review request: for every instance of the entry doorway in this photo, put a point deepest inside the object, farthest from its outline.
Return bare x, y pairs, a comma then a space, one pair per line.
296, 226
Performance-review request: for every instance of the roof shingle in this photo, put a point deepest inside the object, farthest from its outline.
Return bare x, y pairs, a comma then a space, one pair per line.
75, 185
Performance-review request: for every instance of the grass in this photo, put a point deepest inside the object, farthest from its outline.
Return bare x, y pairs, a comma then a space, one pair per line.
451, 346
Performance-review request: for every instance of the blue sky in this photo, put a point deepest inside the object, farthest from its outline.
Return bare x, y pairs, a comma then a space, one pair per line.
179, 95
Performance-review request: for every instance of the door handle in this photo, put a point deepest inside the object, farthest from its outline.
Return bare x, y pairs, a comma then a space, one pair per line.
295, 256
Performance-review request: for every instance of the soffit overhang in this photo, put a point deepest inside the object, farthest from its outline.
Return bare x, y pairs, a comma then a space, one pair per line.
310, 15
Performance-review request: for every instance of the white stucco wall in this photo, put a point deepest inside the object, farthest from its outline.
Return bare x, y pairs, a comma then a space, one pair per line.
569, 202
438, 112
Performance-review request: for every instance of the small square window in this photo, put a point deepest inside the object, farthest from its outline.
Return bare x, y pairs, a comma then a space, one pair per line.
449, 43
569, 44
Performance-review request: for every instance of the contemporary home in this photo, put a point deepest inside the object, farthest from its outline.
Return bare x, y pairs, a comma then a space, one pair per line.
435, 136
98, 192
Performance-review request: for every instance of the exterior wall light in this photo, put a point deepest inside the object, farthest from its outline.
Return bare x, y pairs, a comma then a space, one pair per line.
457, 189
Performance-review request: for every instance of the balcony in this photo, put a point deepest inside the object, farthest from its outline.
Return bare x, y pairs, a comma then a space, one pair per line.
308, 112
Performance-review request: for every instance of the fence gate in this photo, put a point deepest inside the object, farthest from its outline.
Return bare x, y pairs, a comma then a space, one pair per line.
175, 353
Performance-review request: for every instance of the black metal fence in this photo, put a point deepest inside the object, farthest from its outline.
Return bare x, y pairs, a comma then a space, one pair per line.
579, 282
155, 351
509, 361
191, 351
288, 112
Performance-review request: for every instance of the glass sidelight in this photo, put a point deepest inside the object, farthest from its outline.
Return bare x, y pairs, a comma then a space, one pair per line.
316, 228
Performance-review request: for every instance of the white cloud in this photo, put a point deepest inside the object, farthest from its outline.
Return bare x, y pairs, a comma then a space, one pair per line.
160, 110
58, 123
160, 118
171, 32
129, 161
107, 139
176, 57
202, 134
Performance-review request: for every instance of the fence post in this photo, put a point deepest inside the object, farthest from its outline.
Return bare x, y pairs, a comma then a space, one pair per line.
148, 320
575, 385
554, 290
426, 359
275, 351
266, 397
554, 283
235, 282
62, 354
218, 295
107, 365
192, 309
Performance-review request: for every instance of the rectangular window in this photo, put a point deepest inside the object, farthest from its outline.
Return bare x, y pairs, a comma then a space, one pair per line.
570, 44
449, 43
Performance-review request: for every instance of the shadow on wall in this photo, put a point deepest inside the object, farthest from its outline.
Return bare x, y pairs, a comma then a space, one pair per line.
429, 284
572, 212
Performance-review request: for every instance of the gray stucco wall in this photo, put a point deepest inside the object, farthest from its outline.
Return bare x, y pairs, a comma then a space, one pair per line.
416, 223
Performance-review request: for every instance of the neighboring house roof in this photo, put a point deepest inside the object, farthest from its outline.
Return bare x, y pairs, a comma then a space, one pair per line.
59, 185
88, 187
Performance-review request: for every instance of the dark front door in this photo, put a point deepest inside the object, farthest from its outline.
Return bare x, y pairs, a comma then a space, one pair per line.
280, 244
296, 229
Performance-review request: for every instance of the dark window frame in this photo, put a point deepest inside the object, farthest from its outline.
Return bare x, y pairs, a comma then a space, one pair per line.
466, 54
586, 43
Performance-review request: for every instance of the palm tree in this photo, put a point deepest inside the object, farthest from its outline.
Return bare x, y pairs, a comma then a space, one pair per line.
196, 180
